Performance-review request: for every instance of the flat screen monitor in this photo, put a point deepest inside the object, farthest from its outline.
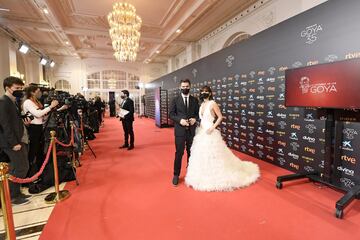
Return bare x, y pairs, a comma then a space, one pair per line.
330, 85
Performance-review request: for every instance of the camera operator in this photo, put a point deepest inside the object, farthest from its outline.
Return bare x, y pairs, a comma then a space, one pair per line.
33, 106
13, 136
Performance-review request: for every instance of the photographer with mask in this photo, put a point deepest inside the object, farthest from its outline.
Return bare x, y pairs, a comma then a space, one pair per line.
13, 136
34, 107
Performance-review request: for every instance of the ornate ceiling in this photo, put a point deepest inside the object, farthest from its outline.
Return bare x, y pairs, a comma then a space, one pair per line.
79, 27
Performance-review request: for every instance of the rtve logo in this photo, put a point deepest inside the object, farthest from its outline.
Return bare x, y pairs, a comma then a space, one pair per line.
351, 160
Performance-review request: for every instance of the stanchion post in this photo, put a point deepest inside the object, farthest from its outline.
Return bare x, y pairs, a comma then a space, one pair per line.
6, 202
58, 195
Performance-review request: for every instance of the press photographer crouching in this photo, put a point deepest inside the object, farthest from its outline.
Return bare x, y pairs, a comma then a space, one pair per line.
33, 107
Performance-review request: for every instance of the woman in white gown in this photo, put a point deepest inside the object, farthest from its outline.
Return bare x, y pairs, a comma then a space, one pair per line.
212, 165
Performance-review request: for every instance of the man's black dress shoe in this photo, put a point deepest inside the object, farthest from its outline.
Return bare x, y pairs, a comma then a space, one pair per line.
175, 180
124, 146
131, 147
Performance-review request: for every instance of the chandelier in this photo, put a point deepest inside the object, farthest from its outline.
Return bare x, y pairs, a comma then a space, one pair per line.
124, 31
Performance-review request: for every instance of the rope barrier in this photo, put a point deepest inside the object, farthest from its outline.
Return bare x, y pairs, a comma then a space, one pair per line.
33, 178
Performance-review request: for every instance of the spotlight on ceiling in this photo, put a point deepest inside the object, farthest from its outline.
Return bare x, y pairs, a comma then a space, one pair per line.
23, 48
46, 11
52, 64
178, 31
43, 61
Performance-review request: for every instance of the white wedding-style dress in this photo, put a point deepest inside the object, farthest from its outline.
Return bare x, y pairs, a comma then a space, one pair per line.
212, 165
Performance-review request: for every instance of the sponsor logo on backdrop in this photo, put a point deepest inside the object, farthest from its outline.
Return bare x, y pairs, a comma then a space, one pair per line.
271, 132
194, 72
237, 132
331, 58
236, 139
270, 114
252, 121
295, 146
347, 182
282, 125
251, 97
244, 90
309, 117
351, 160
309, 169
236, 104
261, 89
310, 33
272, 124
282, 87
261, 121
317, 88
243, 105
295, 166
350, 133
243, 83
271, 89
281, 143
252, 90
243, 148
252, 74
259, 130
307, 159
259, 146
297, 64
281, 161
295, 126
346, 170
280, 151
243, 134
310, 150
271, 105
280, 133
260, 81
311, 128
309, 139
294, 156
281, 97
271, 70
252, 105
261, 106
251, 135
261, 98
260, 154
294, 115
268, 157
270, 140
346, 145
294, 136
269, 148
270, 80
244, 119
251, 151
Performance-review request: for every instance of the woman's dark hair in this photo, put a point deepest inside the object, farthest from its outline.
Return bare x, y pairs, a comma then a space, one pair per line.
207, 89
30, 89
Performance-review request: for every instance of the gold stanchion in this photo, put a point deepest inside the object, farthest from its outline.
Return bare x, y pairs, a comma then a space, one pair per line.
58, 195
6, 202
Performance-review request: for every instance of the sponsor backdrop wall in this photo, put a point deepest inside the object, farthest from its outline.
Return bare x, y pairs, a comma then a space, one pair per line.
248, 80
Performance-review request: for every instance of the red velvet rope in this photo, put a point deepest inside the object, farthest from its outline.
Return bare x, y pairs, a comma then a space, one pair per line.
33, 178
71, 140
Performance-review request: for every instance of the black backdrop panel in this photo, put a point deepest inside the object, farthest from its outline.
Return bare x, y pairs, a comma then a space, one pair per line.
249, 84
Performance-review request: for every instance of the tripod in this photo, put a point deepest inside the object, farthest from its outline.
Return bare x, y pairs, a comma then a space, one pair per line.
84, 140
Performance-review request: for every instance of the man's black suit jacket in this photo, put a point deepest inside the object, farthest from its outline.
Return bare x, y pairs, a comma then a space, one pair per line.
129, 106
11, 124
178, 112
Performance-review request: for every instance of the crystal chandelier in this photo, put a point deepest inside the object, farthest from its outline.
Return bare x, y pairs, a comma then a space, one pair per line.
124, 31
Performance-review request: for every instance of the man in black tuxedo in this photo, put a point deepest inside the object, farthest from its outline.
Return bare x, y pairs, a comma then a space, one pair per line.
13, 136
127, 120
184, 111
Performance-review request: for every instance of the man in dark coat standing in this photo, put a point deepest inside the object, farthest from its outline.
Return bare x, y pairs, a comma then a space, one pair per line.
184, 111
127, 121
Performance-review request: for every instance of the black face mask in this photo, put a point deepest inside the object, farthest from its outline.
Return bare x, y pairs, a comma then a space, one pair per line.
18, 93
185, 91
204, 96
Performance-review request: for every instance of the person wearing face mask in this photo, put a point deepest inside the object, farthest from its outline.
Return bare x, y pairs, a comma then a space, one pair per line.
212, 165
33, 106
13, 136
127, 121
184, 111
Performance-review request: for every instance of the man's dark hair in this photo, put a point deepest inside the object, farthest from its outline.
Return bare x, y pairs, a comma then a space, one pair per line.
10, 81
185, 81
126, 92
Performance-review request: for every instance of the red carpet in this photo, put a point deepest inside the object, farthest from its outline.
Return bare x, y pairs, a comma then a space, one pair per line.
128, 195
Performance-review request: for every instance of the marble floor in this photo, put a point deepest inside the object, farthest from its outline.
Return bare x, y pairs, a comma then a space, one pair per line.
30, 219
